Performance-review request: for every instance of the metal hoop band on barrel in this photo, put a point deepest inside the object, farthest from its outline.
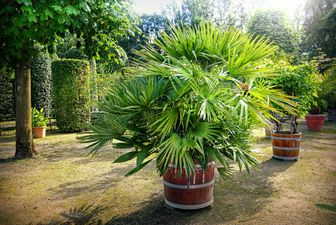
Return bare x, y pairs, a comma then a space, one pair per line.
197, 166
284, 138
285, 158
191, 186
286, 148
188, 207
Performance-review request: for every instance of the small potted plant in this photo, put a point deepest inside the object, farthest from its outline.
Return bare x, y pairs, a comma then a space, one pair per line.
189, 104
315, 118
39, 123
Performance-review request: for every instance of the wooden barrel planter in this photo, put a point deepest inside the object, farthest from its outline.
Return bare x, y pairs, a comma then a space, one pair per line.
189, 193
286, 146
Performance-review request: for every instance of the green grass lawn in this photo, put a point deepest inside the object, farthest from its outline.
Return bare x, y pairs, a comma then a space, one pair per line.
65, 186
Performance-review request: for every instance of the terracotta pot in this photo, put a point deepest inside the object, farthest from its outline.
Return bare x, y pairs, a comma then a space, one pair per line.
286, 146
39, 132
194, 192
315, 122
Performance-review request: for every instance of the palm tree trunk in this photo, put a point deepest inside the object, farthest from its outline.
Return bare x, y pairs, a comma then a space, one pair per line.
24, 137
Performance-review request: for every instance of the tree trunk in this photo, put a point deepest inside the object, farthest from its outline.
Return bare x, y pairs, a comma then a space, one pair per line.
24, 137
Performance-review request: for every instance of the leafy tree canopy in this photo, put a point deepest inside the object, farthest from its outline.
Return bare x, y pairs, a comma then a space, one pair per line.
275, 26
320, 27
25, 22
222, 12
149, 27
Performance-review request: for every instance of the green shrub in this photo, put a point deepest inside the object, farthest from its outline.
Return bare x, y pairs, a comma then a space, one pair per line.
71, 94
41, 82
6, 96
328, 88
38, 119
301, 81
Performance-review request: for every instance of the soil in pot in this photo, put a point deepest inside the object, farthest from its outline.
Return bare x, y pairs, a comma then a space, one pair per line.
286, 146
189, 193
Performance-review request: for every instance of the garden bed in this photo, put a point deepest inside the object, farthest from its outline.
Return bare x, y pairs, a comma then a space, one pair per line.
65, 186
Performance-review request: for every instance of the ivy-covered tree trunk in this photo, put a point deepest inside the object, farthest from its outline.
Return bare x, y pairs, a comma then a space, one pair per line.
24, 137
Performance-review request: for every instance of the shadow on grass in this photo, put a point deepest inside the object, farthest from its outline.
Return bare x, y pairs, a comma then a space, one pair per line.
242, 198
102, 182
5, 139
85, 214
9, 160
154, 212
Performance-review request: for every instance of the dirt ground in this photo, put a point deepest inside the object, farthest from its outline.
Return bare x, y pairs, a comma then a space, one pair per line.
65, 186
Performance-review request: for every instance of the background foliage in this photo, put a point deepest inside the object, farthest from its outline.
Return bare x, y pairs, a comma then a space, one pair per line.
320, 27
224, 13
41, 82
6, 95
72, 53
300, 81
71, 94
274, 26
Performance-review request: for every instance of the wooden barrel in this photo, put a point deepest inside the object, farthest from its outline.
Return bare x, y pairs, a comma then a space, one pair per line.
286, 146
194, 192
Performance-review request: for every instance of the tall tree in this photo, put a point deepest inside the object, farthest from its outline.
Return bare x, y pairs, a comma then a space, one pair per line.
25, 22
275, 26
235, 13
320, 27
191, 12
150, 27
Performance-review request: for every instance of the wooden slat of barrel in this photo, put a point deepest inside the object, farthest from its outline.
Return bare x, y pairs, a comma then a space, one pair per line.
189, 193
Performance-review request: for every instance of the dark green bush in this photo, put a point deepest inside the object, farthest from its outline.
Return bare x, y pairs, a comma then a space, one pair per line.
41, 82
93, 84
6, 96
71, 94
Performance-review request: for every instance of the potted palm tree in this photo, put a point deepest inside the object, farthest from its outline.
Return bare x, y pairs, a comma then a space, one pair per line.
39, 123
189, 104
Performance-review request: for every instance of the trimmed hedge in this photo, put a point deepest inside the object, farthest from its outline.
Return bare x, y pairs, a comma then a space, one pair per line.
93, 85
41, 82
73, 53
7, 111
71, 94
